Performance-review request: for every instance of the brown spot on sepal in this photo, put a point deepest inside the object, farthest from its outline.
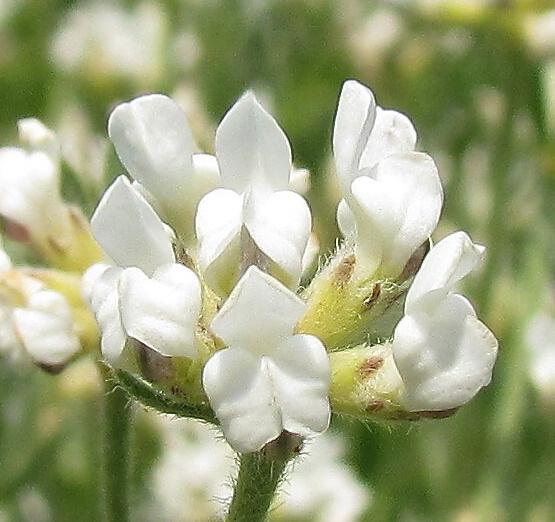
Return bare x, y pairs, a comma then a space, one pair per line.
375, 406
344, 270
371, 365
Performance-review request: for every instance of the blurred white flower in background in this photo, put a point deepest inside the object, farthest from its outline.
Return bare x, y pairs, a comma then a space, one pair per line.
101, 38
374, 36
85, 152
539, 31
7, 8
321, 487
192, 480
540, 343
34, 320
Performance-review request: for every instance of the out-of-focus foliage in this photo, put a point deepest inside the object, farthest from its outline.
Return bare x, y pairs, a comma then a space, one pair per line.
478, 80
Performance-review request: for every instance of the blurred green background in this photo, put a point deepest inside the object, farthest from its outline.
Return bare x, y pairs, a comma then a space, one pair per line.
478, 80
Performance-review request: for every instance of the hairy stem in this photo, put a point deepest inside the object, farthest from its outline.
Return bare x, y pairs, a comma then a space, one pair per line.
116, 453
259, 476
148, 396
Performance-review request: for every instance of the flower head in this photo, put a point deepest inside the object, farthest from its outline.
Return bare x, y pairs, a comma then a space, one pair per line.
442, 351
34, 319
147, 295
154, 142
32, 205
268, 379
392, 195
255, 219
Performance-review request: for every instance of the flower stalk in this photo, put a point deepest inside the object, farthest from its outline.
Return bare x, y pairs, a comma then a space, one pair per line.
260, 474
117, 419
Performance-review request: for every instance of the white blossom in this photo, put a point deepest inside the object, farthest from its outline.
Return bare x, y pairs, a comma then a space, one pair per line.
540, 344
255, 218
33, 319
147, 295
101, 38
268, 379
85, 152
30, 199
321, 487
153, 140
444, 354
392, 194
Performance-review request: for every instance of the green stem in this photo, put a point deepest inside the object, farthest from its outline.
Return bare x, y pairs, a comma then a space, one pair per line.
116, 453
148, 396
259, 476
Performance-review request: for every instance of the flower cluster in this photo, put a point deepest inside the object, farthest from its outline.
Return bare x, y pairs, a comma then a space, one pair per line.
207, 253
42, 313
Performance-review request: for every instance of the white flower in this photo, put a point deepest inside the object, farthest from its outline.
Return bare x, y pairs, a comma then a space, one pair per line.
45, 328
191, 480
540, 342
321, 487
147, 296
34, 319
269, 379
255, 219
444, 354
100, 38
539, 30
85, 152
30, 198
393, 195
153, 140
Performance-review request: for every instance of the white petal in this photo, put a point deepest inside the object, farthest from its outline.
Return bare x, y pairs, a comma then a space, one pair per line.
205, 177
310, 255
240, 393
251, 148
207, 172
446, 264
101, 289
129, 230
300, 373
45, 327
280, 225
218, 226
397, 209
393, 133
345, 219
259, 313
90, 279
444, 358
153, 140
30, 194
162, 311
356, 112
